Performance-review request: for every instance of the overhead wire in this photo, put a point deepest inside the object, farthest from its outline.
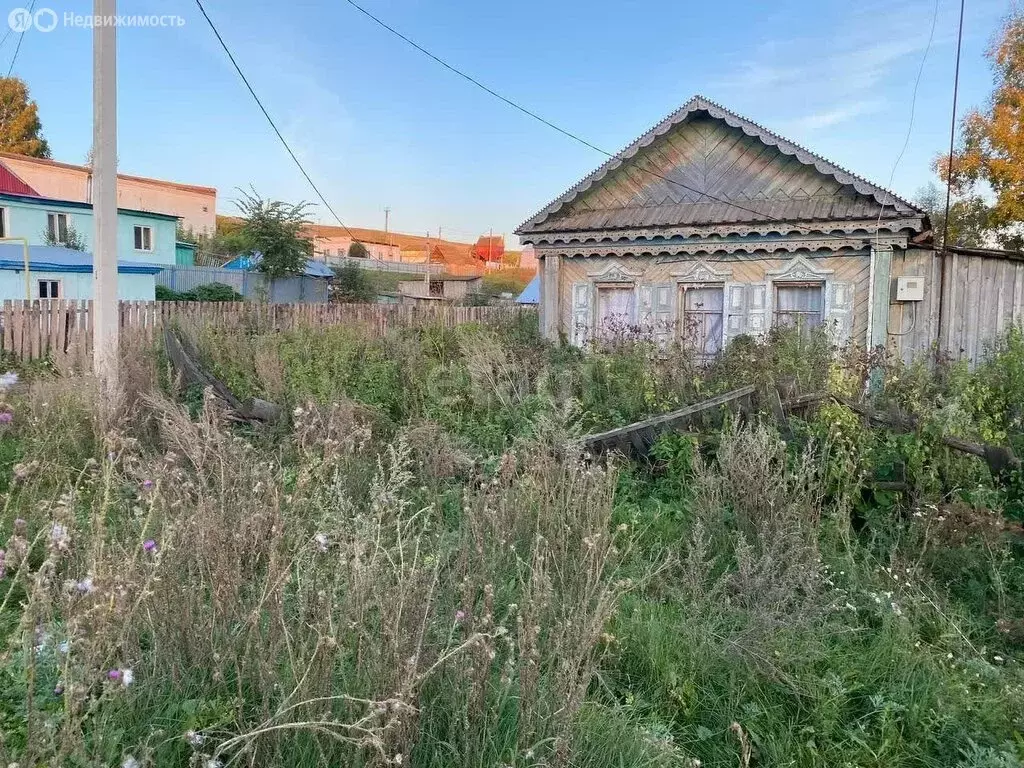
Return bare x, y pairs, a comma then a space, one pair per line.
21, 38
530, 113
266, 114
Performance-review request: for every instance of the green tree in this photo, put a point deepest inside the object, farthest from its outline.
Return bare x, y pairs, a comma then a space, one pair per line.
969, 216
352, 284
20, 129
275, 230
358, 251
992, 145
73, 239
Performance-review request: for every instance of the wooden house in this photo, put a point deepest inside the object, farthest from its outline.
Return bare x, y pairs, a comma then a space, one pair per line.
446, 287
710, 226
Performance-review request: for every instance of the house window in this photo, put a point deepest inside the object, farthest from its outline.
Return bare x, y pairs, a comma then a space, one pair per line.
616, 305
799, 305
49, 289
143, 238
436, 288
57, 228
701, 322
3, 222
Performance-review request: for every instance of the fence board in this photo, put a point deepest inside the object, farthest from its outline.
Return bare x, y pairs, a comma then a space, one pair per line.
62, 330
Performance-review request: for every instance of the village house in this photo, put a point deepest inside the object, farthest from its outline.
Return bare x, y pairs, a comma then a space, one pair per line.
710, 226
194, 205
146, 244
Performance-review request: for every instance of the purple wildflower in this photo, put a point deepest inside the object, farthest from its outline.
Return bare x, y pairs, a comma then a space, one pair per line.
6, 417
460, 615
149, 545
147, 484
114, 674
58, 689
3, 564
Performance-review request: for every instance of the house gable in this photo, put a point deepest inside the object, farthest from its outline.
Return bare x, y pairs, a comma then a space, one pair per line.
705, 165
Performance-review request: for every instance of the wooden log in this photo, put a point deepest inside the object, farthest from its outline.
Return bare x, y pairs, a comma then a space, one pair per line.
658, 425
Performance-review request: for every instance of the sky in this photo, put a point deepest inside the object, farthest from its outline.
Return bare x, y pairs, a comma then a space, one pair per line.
377, 124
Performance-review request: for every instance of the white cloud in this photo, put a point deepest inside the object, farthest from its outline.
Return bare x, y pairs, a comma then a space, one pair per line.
835, 115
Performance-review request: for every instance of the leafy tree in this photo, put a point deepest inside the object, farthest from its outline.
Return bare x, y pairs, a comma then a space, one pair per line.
274, 229
20, 129
992, 145
968, 216
351, 283
358, 251
73, 239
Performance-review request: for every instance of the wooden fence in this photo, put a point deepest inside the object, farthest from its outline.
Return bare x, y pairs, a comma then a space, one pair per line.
62, 330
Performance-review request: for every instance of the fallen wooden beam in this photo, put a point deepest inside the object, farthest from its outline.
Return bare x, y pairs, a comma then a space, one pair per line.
642, 434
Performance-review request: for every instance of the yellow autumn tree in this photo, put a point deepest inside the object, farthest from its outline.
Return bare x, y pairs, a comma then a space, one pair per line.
992, 143
20, 129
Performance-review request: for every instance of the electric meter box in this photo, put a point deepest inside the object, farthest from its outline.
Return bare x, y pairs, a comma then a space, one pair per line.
909, 289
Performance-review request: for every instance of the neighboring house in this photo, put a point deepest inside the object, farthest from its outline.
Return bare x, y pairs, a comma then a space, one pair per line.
332, 242
311, 287
60, 273
710, 226
196, 206
184, 254
531, 293
489, 248
142, 236
447, 287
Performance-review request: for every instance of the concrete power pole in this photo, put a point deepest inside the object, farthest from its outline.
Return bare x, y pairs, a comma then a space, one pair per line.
106, 313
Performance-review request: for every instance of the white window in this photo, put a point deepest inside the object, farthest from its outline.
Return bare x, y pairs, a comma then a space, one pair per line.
615, 310
799, 305
49, 289
57, 228
143, 238
701, 323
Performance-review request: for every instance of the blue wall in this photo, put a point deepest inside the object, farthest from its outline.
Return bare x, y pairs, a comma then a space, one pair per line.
26, 217
75, 285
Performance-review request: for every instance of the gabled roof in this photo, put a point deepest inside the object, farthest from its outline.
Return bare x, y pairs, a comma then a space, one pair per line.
13, 183
44, 162
704, 208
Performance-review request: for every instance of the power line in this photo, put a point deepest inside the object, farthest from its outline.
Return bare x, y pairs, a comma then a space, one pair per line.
14, 58
913, 108
545, 121
952, 125
270, 120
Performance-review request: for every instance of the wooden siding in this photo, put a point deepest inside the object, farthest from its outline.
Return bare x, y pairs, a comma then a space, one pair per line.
985, 298
854, 269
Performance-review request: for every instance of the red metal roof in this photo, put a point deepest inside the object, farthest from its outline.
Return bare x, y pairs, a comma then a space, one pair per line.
11, 184
489, 248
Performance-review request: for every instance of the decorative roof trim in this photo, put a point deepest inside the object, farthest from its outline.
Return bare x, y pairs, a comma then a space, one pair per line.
749, 127
741, 229
751, 247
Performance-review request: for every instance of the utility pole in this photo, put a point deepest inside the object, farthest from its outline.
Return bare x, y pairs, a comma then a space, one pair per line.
387, 234
426, 273
106, 320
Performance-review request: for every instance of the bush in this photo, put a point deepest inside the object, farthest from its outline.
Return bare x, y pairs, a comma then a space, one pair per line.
206, 292
351, 283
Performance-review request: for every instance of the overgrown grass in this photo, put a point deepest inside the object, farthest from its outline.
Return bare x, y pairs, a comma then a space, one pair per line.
418, 569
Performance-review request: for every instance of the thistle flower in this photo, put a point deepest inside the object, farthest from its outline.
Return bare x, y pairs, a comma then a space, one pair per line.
114, 674
6, 417
194, 738
149, 545
58, 689
130, 762
85, 586
59, 536
147, 484
460, 615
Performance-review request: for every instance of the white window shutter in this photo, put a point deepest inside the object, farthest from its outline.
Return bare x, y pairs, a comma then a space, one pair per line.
664, 312
757, 309
581, 313
839, 310
645, 307
735, 311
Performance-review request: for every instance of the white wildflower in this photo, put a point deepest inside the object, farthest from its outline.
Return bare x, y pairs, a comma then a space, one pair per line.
8, 380
59, 536
194, 738
322, 542
130, 762
127, 677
